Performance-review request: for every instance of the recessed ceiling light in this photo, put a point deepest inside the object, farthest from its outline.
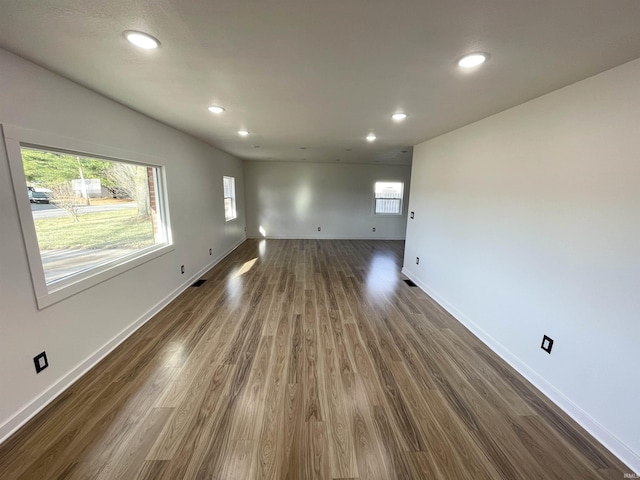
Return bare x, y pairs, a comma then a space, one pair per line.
371, 137
216, 109
243, 133
398, 117
472, 60
142, 40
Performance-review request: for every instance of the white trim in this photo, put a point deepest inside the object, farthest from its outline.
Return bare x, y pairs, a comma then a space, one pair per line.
47, 295
29, 411
320, 237
586, 421
59, 142
81, 282
232, 197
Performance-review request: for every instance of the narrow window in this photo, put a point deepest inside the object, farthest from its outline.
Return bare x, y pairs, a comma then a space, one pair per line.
229, 184
388, 198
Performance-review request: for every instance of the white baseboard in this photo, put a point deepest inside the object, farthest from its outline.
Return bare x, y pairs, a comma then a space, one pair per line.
40, 402
321, 237
586, 421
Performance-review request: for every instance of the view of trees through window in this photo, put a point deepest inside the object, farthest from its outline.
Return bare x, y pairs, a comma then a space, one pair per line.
87, 211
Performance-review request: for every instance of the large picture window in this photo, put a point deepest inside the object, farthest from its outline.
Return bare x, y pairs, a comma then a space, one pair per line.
229, 185
84, 216
388, 198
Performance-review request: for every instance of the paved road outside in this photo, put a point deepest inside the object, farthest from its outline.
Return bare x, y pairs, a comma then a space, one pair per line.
43, 210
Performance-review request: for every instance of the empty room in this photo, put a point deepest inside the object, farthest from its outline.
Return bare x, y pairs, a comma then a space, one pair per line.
338, 240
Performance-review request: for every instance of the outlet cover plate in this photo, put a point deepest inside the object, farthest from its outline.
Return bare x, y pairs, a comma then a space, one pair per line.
547, 344
41, 362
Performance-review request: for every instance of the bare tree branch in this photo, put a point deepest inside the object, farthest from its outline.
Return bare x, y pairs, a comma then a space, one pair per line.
131, 181
63, 196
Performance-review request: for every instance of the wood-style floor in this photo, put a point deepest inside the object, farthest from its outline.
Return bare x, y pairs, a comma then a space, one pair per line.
302, 359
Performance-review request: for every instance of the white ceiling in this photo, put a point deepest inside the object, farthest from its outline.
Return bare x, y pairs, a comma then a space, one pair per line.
322, 74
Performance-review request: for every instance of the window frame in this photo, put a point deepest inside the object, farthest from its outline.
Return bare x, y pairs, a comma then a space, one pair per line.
232, 197
400, 211
17, 137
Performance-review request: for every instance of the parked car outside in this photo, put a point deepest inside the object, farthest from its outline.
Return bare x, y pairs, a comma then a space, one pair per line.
37, 196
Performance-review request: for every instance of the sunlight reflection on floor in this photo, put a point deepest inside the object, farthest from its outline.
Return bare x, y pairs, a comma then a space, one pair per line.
245, 267
382, 277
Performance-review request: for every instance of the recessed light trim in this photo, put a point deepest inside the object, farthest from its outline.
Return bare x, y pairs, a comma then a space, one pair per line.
141, 39
216, 109
243, 133
473, 60
371, 137
398, 116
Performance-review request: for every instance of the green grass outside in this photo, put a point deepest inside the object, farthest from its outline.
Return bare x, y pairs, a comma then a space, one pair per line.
99, 230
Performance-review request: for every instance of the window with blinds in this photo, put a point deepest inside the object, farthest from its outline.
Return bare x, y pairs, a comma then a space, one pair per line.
388, 198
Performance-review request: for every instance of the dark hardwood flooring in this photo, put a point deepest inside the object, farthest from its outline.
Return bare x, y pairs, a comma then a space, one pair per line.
302, 359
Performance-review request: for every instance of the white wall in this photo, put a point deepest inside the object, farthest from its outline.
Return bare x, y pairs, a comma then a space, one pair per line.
78, 330
291, 200
528, 223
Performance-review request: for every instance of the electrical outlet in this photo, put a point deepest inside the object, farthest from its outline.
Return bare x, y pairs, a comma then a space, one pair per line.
417, 260
41, 362
209, 251
182, 269
411, 214
319, 229
547, 344
373, 229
